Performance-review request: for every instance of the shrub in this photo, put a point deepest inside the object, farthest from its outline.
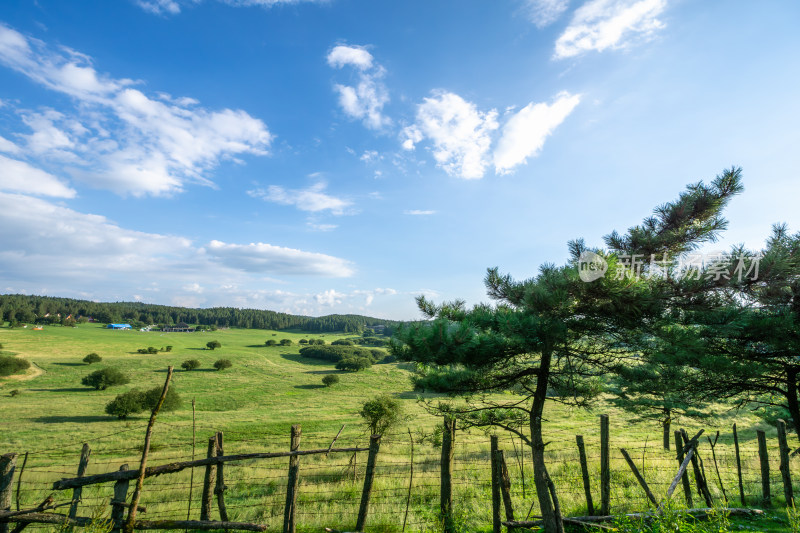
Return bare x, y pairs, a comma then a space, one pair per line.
12, 365
190, 364
342, 342
152, 349
271, 342
16, 392
337, 353
104, 378
150, 398
127, 403
222, 364
330, 379
92, 358
286, 342
169, 348
389, 359
303, 341
211, 345
351, 363
380, 413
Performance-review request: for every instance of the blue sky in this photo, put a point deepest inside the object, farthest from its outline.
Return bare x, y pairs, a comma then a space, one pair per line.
343, 156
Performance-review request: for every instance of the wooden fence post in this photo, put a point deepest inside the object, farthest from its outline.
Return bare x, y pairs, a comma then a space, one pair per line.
446, 485
497, 526
8, 462
700, 480
587, 487
738, 465
784, 453
294, 479
374, 446
208, 481
687, 487
665, 428
605, 467
76, 492
638, 476
505, 484
220, 487
763, 458
118, 503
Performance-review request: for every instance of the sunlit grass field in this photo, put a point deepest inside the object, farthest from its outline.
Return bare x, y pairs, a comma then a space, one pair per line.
270, 388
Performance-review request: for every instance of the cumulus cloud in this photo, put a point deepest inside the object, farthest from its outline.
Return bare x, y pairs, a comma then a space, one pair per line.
523, 135
365, 100
460, 134
19, 176
312, 199
118, 137
266, 258
602, 24
544, 12
8, 147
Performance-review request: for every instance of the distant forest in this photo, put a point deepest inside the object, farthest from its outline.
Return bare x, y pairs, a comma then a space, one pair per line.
24, 309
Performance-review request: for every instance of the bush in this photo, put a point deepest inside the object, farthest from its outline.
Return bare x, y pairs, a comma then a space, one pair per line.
150, 398
149, 349
211, 345
127, 403
342, 342
303, 341
337, 353
271, 342
286, 342
104, 378
12, 365
190, 364
16, 392
169, 348
222, 364
351, 363
380, 413
330, 379
92, 358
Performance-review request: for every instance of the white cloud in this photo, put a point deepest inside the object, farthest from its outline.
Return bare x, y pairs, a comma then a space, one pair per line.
118, 137
321, 227
419, 212
173, 7
603, 24
8, 147
19, 176
266, 258
461, 135
544, 12
365, 100
523, 135
329, 298
312, 199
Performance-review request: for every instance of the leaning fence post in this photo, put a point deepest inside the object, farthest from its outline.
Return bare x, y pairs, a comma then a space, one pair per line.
764, 460
505, 484
638, 476
687, 487
7, 464
220, 487
291, 488
446, 485
605, 467
208, 481
118, 503
496, 521
374, 446
699, 478
587, 488
784, 452
738, 465
76, 492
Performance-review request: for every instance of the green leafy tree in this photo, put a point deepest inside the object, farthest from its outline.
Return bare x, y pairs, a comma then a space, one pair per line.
12, 365
555, 336
286, 342
125, 404
303, 341
92, 358
213, 345
271, 342
222, 364
104, 378
351, 363
330, 379
150, 399
381, 413
190, 364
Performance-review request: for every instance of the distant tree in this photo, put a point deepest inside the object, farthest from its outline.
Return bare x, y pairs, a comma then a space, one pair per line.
190, 364
152, 349
212, 345
353, 364
330, 379
303, 341
169, 348
286, 342
271, 342
222, 364
104, 378
150, 399
14, 392
343, 342
92, 358
127, 403
12, 365
380, 413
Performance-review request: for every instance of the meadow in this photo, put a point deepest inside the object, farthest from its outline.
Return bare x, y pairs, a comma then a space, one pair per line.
270, 388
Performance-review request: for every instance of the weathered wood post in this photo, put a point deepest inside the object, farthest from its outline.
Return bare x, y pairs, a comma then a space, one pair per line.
19, 478
587, 487
118, 503
638, 476
294, 480
784, 453
605, 467
699, 478
446, 484
665, 437
209, 480
687, 487
76, 492
497, 525
219, 488
505, 484
738, 465
763, 458
374, 447
8, 463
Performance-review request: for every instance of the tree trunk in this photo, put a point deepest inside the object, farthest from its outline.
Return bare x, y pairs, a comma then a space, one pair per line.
665, 426
791, 399
551, 520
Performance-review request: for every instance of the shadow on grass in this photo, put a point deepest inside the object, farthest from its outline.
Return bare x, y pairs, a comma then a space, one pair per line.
183, 371
71, 364
309, 386
71, 389
71, 419
324, 372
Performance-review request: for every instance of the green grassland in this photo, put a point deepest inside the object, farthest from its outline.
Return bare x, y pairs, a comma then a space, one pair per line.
270, 388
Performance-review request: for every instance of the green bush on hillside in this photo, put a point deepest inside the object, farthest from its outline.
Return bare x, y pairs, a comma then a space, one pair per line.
92, 358
351, 363
222, 364
381, 413
335, 353
104, 378
271, 342
330, 379
286, 342
342, 342
12, 365
211, 345
135, 401
190, 364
